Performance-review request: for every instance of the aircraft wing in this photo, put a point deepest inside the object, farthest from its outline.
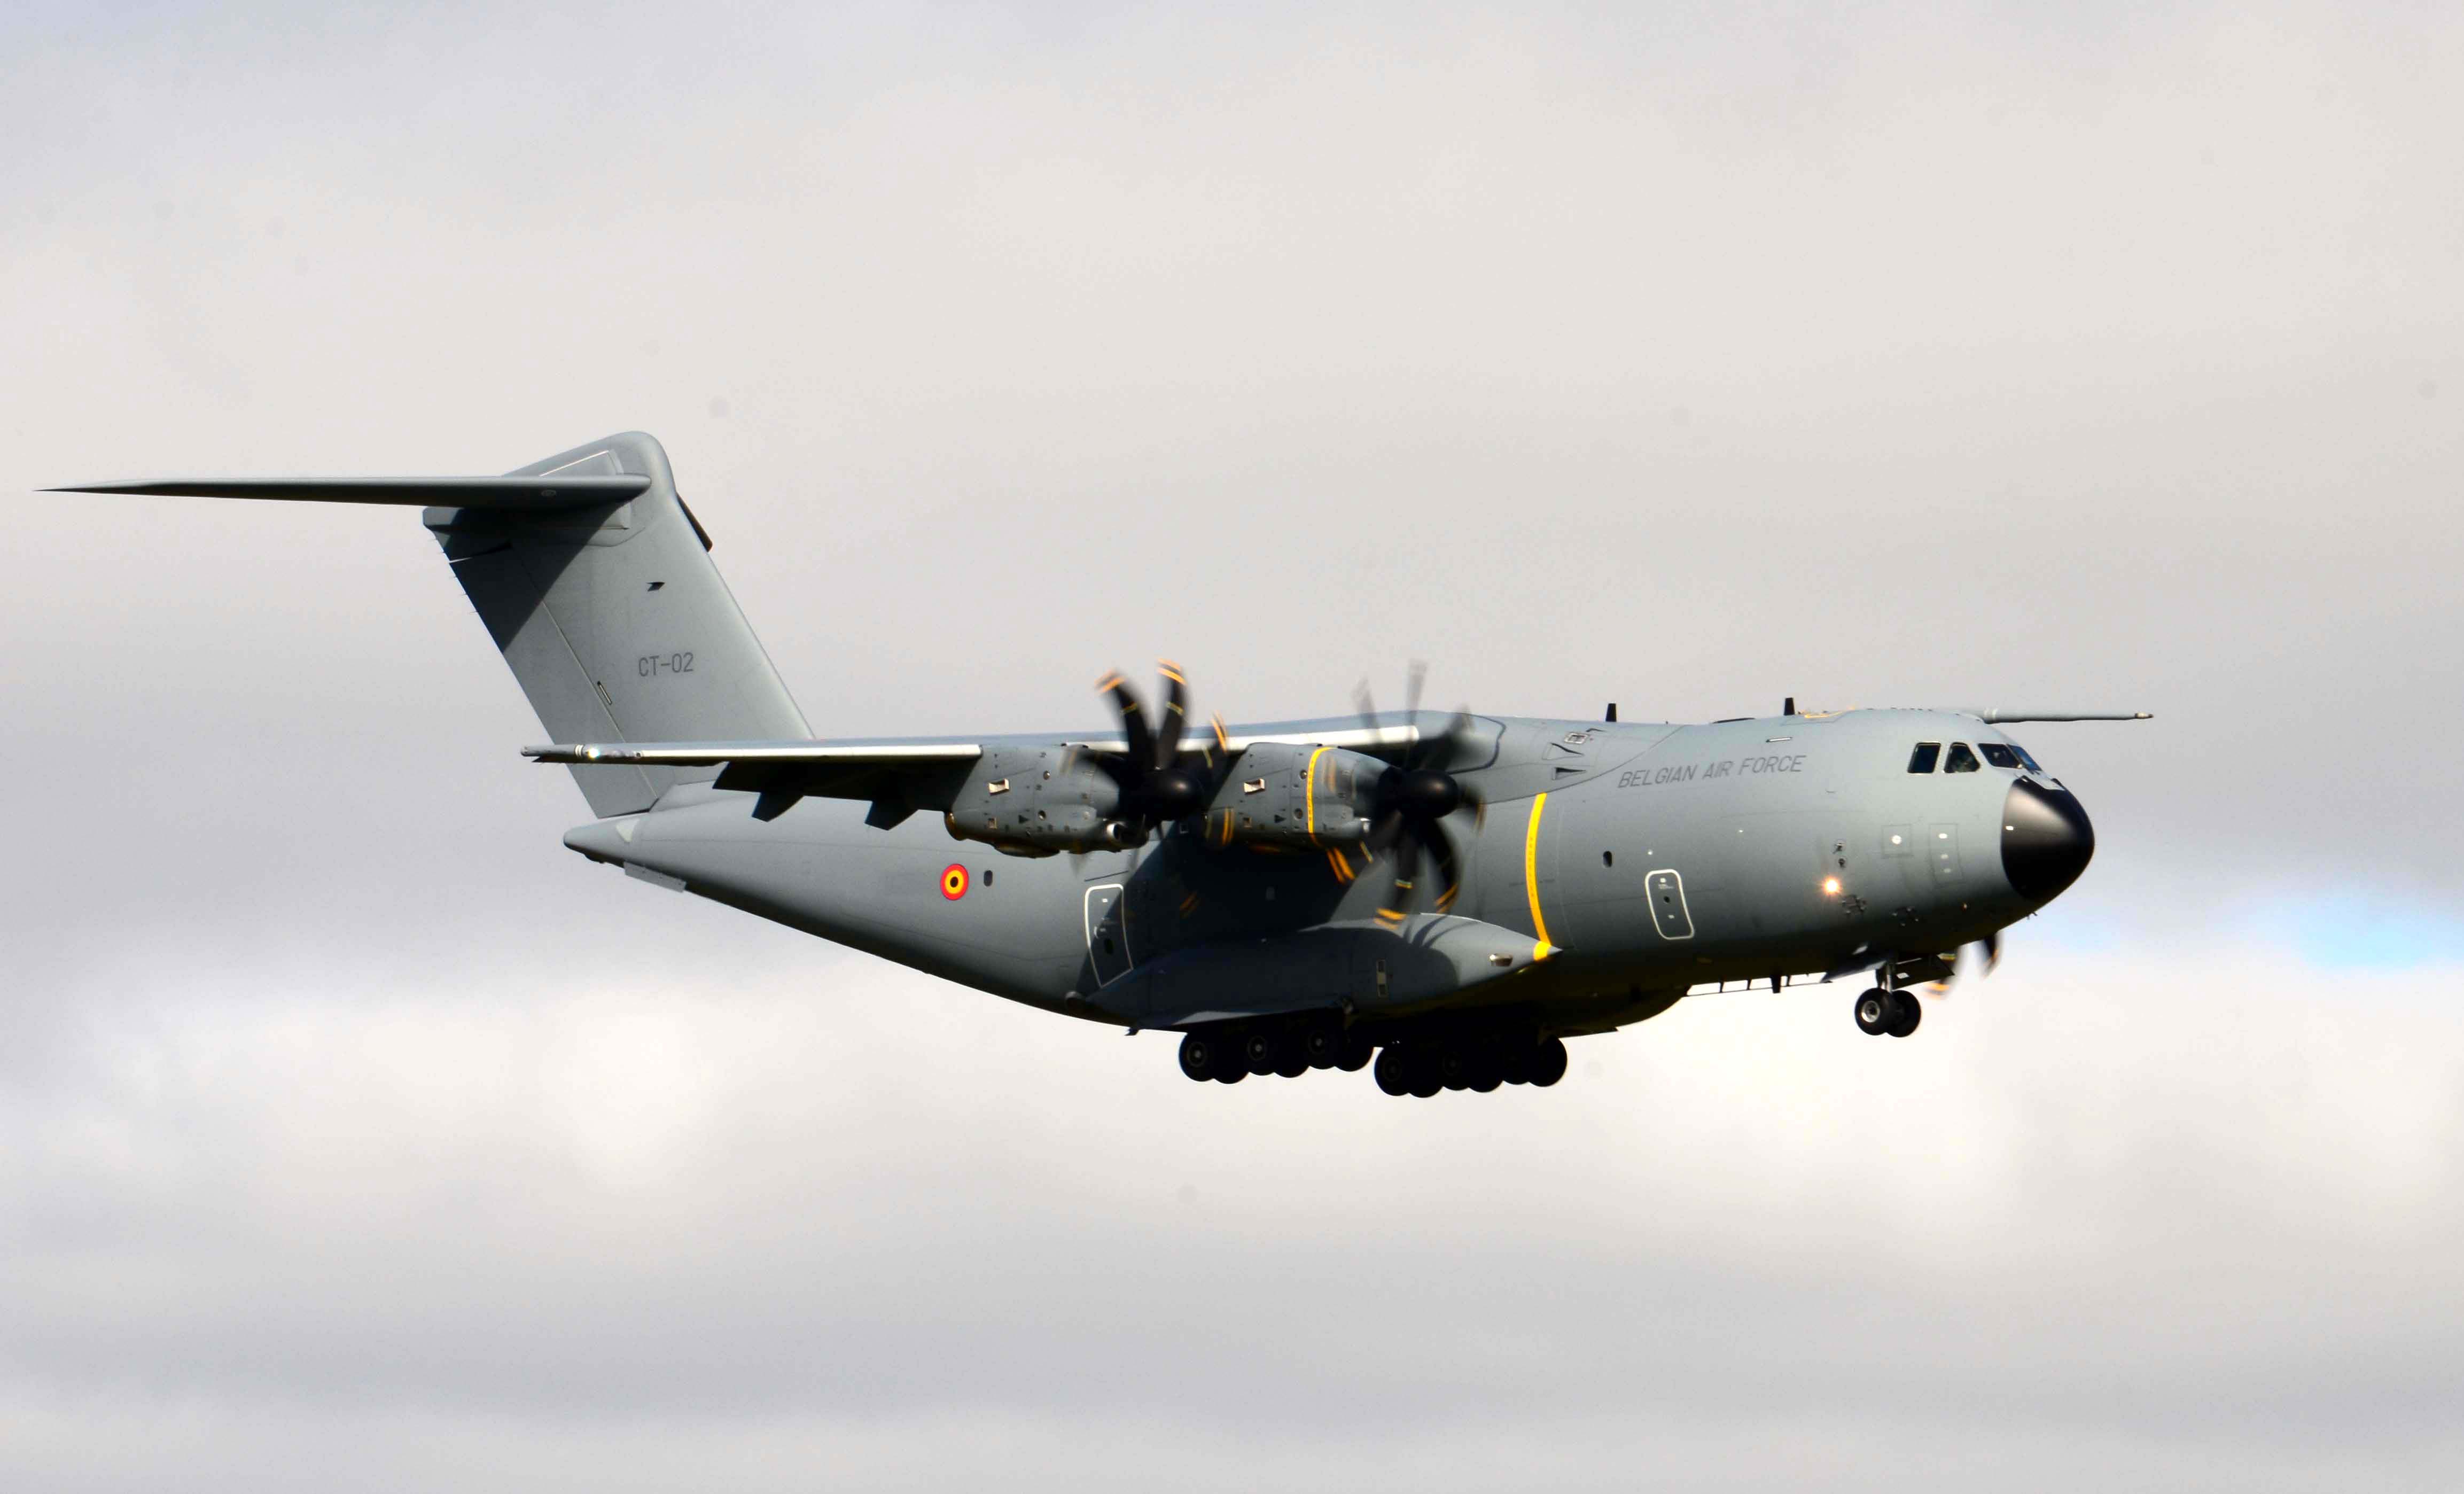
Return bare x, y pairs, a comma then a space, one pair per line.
712, 754
898, 776
895, 775
1374, 740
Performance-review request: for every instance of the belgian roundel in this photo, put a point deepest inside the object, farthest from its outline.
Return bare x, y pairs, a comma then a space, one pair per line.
954, 882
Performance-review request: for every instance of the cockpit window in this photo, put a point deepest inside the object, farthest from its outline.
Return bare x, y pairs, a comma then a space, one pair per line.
1998, 754
1923, 759
2026, 762
1962, 760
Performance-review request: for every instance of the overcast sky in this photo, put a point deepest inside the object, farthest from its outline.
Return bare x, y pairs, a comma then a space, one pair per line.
353, 1133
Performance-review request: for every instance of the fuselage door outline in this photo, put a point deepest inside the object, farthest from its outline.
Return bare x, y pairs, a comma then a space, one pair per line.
1666, 890
1108, 932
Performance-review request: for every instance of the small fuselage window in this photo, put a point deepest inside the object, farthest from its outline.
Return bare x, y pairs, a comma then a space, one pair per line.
1962, 760
1998, 754
1927, 755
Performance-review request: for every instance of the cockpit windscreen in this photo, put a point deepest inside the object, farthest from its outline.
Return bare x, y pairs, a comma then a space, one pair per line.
2009, 755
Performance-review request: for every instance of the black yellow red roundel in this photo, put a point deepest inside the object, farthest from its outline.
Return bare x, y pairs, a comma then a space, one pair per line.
954, 882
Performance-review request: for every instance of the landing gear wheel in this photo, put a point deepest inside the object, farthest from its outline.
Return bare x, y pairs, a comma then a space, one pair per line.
1905, 1014
1514, 1061
1199, 1055
1258, 1050
1291, 1055
1230, 1072
1481, 1072
1325, 1046
1355, 1053
1454, 1068
1426, 1081
1394, 1074
1874, 1012
1548, 1062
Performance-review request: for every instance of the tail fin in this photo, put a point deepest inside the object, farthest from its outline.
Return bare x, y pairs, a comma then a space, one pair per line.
596, 583
614, 618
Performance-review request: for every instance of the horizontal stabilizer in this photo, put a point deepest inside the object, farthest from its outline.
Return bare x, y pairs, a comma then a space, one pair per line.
516, 493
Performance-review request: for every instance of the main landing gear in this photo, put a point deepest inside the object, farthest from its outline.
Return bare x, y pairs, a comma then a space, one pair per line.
1421, 1064
1421, 1067
1228, 1055
1893, 1012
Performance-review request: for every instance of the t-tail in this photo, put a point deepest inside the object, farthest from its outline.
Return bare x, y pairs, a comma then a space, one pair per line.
596, 583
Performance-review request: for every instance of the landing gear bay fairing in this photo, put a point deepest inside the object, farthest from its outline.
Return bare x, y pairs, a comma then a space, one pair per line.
1448, 896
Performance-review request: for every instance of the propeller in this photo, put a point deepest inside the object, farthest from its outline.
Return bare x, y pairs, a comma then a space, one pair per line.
1990, 944
1156, 788
1411, 798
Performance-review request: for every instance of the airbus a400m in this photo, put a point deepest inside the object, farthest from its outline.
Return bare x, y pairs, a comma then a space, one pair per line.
1449, 897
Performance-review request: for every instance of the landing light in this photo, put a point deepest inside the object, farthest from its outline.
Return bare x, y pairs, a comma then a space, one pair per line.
1831, 887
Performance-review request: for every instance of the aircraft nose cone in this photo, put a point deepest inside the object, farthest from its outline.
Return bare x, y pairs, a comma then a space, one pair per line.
2046, 840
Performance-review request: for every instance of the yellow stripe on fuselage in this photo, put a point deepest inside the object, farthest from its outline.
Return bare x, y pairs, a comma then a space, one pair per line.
1308, 795
1531, 878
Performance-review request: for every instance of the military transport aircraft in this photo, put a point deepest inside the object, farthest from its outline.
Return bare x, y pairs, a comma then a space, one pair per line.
1451, 895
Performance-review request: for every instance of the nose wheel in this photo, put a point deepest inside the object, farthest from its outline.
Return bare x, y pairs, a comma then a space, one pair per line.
1892, 1012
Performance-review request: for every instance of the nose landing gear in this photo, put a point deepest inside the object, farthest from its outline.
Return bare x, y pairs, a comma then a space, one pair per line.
1880, 1012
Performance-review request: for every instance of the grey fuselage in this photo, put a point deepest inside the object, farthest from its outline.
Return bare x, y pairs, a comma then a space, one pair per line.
1636, 860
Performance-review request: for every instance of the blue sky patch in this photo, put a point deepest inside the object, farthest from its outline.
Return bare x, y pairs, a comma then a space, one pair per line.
2357, 934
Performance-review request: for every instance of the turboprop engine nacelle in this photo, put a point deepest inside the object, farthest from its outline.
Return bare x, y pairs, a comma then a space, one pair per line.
1038, 802
1292, 796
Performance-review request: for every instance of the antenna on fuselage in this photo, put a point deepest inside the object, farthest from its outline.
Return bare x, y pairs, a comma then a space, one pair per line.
1787, 707
1612, 716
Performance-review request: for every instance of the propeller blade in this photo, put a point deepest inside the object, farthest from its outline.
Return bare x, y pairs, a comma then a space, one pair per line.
1407, 866
1133, 721
1427, 833
1990, 945
1388, 829
1407, 863
1176, 714
1367, 706
1438, 750
1418, 677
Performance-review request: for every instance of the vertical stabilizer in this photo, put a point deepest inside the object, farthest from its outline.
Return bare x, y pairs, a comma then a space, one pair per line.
615, 621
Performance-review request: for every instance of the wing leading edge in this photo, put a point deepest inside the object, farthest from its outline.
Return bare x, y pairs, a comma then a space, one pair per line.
1377, 740
901, 777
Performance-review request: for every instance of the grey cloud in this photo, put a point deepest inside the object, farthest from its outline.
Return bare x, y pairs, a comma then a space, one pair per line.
614, 1208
